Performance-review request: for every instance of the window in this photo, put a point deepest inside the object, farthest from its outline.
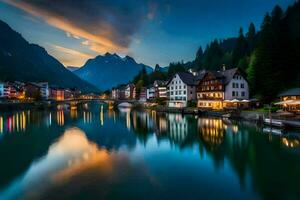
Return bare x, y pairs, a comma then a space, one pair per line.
243, 94
233, 85
191, 92
237, 93
179, 86
237, 85
180, 92
171, 92
172, 88
233, 93
176, 87
176, 93
184, 92
242, 85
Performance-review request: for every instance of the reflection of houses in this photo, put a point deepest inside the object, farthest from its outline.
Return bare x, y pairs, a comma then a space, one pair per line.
290, 100
221, 89
181, 89
178, 127
211, 130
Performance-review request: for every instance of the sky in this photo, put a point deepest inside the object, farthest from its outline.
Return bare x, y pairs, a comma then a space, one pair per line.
151, 31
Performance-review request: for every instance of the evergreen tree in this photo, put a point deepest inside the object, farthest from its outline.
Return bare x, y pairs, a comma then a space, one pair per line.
251, 37
199, 58
241, 48
213, 56
175, 67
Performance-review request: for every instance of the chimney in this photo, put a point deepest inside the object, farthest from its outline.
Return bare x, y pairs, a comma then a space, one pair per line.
224, 67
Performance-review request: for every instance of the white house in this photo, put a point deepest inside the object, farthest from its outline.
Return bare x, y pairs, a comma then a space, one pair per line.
44, 89
181, 89
150, 93
236, 86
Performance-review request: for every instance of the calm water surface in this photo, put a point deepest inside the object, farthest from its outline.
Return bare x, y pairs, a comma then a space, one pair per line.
95, 153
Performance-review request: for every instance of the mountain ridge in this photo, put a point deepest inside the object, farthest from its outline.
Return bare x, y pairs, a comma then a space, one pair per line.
108, 70
23, 61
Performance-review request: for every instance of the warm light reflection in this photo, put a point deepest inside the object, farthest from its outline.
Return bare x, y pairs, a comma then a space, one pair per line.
211, 130
101, 116
291, 143
74, 113
60, 117
1, 124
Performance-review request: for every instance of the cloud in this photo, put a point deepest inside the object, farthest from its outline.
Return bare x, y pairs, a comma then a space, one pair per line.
107, 25
69, 57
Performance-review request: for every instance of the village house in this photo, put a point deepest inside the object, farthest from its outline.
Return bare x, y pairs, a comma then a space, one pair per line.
129, 91
9, 90
32, 90
290, 100
223, 89
57, 93
151, 93
143, 94
160, 89
44, 89
118, 93
181, 89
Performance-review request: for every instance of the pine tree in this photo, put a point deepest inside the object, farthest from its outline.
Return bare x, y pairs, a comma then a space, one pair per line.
251, 37
241, 48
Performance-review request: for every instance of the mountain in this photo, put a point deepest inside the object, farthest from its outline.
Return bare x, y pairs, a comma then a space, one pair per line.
22, 61
158, 68
106, 71
71, 68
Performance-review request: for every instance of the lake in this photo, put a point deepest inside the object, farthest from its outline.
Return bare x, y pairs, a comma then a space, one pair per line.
96, 153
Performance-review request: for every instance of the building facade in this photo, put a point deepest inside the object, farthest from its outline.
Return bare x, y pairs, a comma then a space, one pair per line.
223, 89
151, 93
129, 91
57, 94
181, 89
160, 89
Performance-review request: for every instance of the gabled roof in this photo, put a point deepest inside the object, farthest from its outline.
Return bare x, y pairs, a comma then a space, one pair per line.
290, 92
228, 74
160, 82
225, 76
187, 78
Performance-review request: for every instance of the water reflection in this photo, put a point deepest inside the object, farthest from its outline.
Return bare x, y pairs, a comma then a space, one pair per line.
74, 162
120, 150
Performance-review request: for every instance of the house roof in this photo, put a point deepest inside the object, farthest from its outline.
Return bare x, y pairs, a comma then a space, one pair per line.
161, 83
228, 75
187, 78
290, 92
